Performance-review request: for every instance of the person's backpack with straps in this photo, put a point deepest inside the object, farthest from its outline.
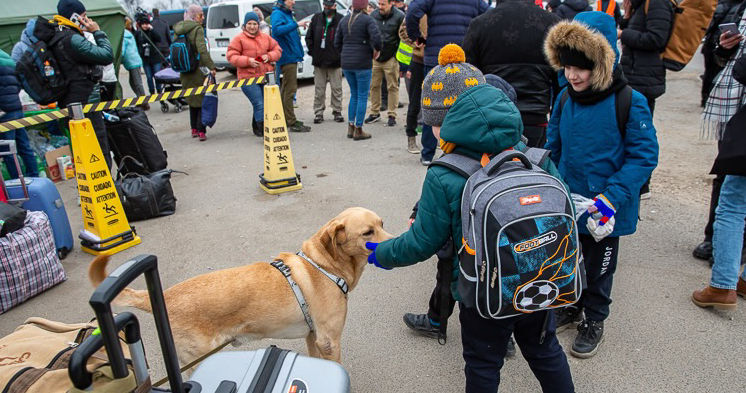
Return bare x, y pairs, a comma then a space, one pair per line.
622, 105
38, 71
691, 19
520, 250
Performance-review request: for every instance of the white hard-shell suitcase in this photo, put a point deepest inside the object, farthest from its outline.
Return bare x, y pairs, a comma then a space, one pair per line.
271, 370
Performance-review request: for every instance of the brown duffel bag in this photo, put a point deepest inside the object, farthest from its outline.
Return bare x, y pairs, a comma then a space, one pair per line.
35, 358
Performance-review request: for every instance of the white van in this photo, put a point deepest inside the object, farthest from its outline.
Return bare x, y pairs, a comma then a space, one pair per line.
224, 22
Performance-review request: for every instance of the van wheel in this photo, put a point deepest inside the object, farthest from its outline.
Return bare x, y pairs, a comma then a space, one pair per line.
233, 71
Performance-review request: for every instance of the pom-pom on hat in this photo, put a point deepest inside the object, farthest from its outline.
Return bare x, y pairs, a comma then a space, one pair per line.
442, 86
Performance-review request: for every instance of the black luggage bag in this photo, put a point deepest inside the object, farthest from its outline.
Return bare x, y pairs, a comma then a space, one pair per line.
131, 134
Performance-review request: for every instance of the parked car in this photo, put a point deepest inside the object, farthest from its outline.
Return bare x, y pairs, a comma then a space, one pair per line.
224, 22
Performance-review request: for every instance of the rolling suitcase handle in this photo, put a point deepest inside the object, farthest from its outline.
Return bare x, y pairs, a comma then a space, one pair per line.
101, 303
8, 148
126, 321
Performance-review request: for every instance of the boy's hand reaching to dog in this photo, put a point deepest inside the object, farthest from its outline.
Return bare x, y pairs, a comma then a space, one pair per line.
372, 257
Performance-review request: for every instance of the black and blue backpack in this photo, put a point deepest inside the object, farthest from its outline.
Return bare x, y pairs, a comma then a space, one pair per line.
184, 56
38, 71
520, 251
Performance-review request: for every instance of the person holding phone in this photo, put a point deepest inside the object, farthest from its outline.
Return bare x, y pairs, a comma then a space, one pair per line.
727, 11
253, 53
81, 62
725, 98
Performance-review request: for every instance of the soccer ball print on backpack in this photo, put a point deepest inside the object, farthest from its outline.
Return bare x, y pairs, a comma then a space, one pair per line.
520, 251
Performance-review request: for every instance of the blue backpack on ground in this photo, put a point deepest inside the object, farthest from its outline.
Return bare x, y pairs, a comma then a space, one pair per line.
184, 56
38, 71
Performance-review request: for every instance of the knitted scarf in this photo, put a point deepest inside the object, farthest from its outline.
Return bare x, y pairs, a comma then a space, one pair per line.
726, 96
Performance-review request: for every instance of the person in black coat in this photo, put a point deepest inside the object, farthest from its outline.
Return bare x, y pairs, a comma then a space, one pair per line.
508, 41
148, 42
161, 28
359, 41
326, 62
727, 11
725, 284
567, 9
644, 34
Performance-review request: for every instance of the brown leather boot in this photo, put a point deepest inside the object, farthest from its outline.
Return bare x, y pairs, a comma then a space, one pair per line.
721, 299
350, 130
359, 134
741, 288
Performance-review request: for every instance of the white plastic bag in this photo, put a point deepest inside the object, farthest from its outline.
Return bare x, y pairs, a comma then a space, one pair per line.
593, 223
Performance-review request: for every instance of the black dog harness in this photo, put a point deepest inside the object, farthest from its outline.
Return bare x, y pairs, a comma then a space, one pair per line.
285, 270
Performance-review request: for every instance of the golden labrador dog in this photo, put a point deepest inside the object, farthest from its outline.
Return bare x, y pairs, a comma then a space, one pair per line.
255, 301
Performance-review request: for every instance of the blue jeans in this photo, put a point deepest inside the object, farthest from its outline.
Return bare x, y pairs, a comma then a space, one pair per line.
150, 70
727, 241
485, 343
255, 94
22, 146
359, 81
428, 140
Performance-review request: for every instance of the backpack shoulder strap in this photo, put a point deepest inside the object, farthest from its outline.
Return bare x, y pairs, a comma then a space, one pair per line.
537, 156
563, 99
463, 165
623, 105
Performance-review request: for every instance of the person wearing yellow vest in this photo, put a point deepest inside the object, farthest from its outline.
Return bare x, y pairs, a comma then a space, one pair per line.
415, 75
611, 8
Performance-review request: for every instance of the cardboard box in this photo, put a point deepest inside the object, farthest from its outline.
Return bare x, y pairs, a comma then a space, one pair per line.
53, 169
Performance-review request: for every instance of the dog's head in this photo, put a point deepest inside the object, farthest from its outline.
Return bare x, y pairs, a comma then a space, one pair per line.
344, 237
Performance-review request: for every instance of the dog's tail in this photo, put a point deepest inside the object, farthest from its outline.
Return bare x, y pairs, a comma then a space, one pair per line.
129, 297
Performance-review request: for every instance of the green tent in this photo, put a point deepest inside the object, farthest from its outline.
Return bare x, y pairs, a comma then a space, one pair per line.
15, 13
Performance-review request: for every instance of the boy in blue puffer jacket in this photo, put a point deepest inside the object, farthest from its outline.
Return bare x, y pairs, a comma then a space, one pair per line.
596, 159
11, 105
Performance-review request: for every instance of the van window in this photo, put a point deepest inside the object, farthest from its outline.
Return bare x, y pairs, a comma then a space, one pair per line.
223, 17
301, 10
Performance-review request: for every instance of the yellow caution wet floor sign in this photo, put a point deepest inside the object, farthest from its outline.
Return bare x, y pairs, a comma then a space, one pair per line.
106, 230
279, 171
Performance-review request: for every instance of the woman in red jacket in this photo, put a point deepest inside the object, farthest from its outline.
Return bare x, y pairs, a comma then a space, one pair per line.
253, 53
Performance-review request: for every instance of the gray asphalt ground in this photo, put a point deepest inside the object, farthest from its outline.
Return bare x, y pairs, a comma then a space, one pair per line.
656, 340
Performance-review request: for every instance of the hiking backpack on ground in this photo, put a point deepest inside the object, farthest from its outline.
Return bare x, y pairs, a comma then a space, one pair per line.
690, 21
184, 56
520, 250
38, 71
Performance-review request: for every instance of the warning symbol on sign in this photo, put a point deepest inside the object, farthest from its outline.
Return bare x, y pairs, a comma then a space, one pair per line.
282, 158
88, 212
94, 159
277, 116
110, 210
78, 160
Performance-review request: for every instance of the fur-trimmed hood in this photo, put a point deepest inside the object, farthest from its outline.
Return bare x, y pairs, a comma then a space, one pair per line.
594, 34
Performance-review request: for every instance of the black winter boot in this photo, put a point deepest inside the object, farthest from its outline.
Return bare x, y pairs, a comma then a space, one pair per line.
567, 317
420, 323
590, 336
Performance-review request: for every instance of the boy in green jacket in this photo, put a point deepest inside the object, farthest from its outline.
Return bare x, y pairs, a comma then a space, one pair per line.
471, 118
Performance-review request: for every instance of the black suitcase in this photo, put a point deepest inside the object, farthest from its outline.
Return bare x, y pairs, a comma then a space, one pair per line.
131, 134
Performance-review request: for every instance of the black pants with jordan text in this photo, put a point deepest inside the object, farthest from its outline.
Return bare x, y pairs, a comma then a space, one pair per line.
600, 265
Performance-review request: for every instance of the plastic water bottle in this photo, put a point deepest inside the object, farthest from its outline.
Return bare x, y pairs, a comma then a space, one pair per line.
48, 69
111, 118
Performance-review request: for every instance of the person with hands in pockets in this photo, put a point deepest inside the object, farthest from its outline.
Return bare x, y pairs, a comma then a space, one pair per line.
597, 158
253, 52
472, 118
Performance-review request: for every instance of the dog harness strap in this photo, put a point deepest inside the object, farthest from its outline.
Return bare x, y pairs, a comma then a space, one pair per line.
341, 283
285, 270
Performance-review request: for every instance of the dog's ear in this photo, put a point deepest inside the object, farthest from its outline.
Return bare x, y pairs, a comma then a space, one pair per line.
333, 235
